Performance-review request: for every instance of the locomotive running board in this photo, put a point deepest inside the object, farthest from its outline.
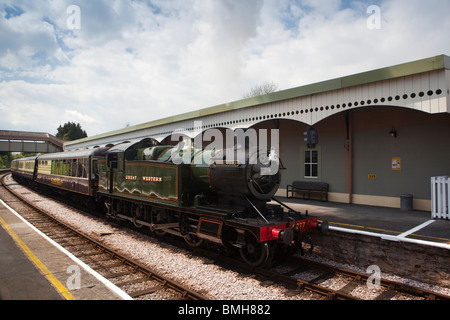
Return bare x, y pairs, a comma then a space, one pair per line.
287, 207
153, 227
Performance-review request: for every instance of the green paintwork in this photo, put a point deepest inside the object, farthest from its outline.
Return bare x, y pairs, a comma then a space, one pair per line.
151, 176
146, 180
149, 180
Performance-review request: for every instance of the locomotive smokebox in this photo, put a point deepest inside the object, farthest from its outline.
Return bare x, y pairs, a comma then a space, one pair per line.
245, 177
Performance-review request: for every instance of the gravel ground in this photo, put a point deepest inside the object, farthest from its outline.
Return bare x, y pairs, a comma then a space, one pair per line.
387, 276
195, 272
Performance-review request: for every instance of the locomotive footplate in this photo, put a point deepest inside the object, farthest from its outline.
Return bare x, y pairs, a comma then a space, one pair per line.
257, 245
286, 232
286, 227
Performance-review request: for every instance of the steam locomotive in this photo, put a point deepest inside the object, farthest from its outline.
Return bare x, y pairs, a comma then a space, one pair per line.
213, 197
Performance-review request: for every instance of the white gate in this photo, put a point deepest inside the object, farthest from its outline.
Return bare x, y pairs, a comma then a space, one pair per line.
440, 197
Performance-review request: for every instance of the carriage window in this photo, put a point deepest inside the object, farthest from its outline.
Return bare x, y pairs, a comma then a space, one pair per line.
85, 168
55, 167
83, 165
59, 167
95, 168
73, 168
66, 167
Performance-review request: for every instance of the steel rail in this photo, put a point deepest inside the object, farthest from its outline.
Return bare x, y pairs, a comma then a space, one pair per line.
306, 285
363, 277
288, 280
151, 274
339, 294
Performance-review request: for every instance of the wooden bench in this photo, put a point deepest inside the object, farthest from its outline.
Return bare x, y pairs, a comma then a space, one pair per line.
308, 187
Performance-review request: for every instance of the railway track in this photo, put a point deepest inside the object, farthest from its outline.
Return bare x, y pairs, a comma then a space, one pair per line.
327, 282
137, 280
297, 275
342, 284
387, 289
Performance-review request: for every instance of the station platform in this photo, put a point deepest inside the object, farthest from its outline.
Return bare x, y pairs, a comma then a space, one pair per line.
387, 223
33, 267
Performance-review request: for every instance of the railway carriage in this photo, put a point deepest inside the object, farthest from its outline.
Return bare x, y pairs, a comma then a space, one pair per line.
24, 168
68, 172
74, 171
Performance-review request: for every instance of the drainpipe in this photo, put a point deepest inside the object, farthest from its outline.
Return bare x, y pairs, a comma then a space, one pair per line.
348, 156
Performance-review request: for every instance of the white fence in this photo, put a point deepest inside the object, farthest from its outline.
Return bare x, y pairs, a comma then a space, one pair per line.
440, 197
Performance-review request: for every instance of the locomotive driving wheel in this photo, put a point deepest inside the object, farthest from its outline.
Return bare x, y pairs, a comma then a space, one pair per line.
253, 252
158, 216
193, 240
190, 238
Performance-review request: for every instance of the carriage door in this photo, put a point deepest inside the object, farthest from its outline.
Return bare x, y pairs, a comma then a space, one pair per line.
112, 165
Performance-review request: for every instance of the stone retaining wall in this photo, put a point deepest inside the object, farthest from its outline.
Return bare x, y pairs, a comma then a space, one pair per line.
414, 261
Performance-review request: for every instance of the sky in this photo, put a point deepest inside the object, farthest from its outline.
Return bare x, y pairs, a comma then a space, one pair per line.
108, 64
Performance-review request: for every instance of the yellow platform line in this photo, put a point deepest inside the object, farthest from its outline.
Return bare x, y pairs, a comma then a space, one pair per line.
61, 288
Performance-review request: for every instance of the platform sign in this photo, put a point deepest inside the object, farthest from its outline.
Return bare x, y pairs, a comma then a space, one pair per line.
396, 164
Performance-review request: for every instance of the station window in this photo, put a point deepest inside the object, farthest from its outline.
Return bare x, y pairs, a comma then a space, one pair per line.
311, 163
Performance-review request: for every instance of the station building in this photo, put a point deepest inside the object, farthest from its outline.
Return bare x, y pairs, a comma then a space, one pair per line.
382, 133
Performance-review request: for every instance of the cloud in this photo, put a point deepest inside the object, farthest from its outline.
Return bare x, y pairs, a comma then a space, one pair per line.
142, 60
25, 41
77, 116
331, 41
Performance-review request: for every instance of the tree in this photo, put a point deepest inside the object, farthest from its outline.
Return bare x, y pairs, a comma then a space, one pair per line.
71, 131
5, 159
265, 88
